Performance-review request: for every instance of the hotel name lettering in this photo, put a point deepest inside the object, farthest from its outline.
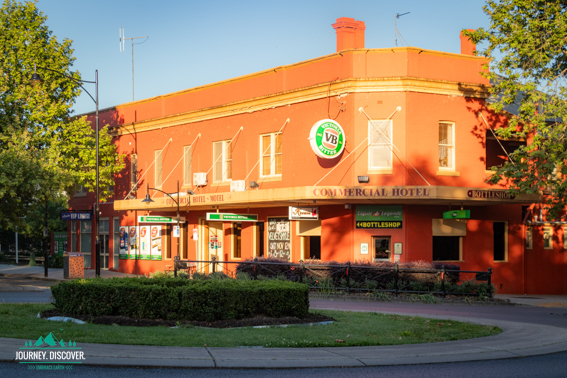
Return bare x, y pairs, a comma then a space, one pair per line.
373, 192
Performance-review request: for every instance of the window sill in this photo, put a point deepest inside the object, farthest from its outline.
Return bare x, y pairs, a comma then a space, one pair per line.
449, 261
448, 173
500, 261
80, 195
270, 178
380, 171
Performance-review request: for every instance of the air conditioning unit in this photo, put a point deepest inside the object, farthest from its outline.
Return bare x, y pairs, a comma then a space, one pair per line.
237, 185
200, 178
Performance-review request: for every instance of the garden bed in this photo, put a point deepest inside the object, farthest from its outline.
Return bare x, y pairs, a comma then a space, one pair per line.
259, 320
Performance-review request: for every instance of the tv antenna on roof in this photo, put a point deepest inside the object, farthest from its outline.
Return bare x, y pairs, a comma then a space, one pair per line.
396, 27
121, 45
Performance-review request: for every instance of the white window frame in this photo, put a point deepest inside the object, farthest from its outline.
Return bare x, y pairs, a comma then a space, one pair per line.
271, 153
564, 237
158, 168
225, 161
451, 162
549, 239
377, 139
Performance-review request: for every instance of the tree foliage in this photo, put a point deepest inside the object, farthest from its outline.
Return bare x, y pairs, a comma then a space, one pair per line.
527, 45
44, 151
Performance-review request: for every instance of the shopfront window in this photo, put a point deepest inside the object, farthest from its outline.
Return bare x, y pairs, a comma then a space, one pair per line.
500, 240
237, 229
86, 241
447, 248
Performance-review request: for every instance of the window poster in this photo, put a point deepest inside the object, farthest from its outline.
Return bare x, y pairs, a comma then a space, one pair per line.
145, 242
123, 252
279, 241
156, 242
134, 243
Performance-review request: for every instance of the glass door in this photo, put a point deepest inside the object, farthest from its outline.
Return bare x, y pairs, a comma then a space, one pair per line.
382, 250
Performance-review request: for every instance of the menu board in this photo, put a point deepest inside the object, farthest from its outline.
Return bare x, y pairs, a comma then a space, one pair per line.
279, 244
133, 241
156, 242
145, 242
123, 254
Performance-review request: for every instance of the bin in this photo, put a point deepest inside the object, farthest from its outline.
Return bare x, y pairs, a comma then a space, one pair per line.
73, 265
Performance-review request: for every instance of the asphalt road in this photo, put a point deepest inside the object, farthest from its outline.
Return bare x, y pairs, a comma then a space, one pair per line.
548, 366
554, 365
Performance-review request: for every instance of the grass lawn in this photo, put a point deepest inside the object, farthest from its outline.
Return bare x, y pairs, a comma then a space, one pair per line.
351, 329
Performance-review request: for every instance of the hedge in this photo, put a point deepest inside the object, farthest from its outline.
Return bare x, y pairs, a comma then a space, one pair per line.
180, 299
360, 273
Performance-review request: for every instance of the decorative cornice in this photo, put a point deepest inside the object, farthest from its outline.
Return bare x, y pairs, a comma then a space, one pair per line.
316, 92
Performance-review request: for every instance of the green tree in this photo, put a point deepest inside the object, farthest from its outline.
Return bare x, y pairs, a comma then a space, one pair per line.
527, 45
44, 151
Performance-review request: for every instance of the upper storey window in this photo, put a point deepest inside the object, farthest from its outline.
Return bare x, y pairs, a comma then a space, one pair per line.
446, 146
380, 144
222, 157
271, 150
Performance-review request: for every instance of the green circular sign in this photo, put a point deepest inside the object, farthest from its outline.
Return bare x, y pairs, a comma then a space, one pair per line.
327, 139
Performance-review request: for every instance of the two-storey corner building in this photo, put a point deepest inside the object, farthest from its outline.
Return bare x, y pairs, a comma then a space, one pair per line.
363, 154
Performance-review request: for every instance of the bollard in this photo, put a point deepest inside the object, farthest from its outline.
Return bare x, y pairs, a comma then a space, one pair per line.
32, 259
300, 271
214, 264
255, 268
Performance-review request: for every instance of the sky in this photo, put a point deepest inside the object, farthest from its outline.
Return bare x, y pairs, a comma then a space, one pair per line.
193, 43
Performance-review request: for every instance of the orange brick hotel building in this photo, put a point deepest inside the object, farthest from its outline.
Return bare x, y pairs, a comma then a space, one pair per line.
355, 155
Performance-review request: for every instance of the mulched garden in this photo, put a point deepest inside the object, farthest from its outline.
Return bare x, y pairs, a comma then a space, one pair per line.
230, 323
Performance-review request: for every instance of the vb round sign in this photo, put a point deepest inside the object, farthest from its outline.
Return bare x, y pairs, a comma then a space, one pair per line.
327, 139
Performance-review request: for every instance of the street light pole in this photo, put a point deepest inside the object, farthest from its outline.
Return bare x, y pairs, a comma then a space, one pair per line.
36, 79
97, 212
149, 200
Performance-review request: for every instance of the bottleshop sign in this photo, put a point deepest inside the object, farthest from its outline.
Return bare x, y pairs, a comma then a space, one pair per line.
229, 217
379, 216
327, 139
492, 194
157, 219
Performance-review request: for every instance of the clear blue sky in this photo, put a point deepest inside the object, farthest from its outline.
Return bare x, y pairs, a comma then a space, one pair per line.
192, 43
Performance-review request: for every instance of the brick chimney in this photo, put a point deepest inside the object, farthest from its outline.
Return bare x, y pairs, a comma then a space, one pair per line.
350, 33
467, 47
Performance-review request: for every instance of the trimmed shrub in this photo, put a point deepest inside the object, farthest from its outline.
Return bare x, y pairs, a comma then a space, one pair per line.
361, 271
181, 299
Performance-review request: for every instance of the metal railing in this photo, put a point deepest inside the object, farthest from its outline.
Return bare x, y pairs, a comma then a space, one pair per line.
348, 277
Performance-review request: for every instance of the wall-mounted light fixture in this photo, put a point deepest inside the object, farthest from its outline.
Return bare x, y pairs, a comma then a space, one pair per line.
364, 179
190, 192
347, 206
254, 184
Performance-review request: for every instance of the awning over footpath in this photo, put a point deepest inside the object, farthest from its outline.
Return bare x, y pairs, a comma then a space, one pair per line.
333, 195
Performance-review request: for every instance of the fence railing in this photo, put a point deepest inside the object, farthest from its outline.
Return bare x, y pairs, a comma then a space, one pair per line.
351, 278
